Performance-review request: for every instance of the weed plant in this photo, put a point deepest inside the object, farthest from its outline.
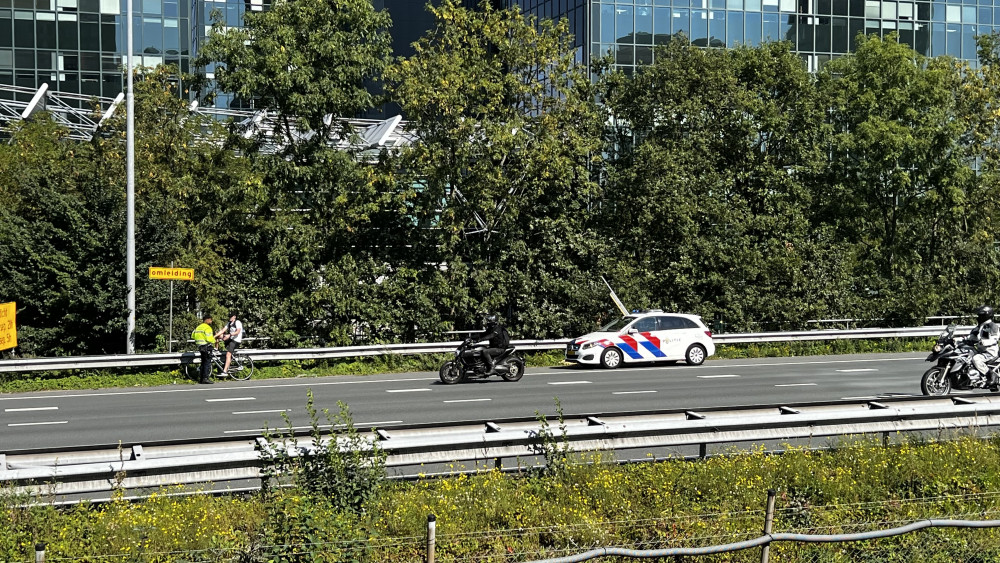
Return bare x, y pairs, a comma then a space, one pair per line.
339, 467
330, 478
555, 450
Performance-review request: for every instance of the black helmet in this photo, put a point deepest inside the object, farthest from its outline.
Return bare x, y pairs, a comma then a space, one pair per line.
984, 313
490, 319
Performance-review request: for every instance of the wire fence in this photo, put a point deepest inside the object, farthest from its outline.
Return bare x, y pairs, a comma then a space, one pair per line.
970, 535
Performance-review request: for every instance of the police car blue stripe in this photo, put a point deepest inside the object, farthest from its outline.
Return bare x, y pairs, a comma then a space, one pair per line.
655, 351
632, 352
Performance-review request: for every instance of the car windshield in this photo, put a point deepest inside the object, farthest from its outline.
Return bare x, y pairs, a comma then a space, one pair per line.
615, 326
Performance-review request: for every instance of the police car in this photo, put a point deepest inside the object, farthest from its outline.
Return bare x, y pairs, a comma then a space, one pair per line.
650, 336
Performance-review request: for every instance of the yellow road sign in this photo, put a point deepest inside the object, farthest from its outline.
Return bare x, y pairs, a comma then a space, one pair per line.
8, 325
186, 274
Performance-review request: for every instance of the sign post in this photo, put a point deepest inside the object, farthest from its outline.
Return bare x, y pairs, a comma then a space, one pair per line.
171, 273
614, 298
8, 325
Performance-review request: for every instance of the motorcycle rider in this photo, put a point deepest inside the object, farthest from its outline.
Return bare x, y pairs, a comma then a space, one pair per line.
497, 336
985, 337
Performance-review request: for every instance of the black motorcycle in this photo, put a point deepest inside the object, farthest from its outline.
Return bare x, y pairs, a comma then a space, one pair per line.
954, 369
469, 364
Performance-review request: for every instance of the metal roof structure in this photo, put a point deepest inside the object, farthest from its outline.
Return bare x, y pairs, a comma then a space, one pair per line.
83, 115
80, 114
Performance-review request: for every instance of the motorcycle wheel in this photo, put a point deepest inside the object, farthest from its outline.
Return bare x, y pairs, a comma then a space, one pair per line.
450, 373
929, 384
513, 371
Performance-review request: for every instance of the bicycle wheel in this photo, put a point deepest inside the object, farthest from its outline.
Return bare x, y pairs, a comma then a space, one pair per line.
241, 368
218, 364
193, 370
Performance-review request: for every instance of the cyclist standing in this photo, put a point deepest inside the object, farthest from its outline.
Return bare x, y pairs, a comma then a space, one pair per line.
232, 335
204, 339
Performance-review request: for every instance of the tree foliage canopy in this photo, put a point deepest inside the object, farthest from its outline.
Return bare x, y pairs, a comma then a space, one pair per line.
729, 183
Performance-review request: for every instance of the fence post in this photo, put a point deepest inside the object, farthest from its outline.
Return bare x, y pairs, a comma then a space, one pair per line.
765, 552
431, 525
40, 552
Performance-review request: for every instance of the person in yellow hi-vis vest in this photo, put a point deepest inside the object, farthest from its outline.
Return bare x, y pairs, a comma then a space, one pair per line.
204, 339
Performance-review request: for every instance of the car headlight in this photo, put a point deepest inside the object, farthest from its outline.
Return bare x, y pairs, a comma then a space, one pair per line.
588, 345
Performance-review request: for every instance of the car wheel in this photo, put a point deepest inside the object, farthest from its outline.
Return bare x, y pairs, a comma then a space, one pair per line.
611, 358
695, 355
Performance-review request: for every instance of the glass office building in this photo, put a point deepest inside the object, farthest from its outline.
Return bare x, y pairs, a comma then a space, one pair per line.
410, 21
78, 46
819, 30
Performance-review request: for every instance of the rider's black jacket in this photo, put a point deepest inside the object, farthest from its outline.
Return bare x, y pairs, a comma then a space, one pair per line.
497, 336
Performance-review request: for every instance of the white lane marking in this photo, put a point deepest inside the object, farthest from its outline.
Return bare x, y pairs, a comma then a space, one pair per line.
728, 366
855, 370
468, 400
715, 376
262, 412
362, 380
406, 390
568, 382
195, 389
882, 396
631, 392
32, 409
228, 399
38, 423
356, 425
794, 384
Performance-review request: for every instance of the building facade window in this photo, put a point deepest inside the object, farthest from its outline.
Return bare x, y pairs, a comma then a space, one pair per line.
819, 30
79, 46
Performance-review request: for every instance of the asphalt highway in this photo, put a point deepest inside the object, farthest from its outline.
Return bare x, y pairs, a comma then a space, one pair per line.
65, 419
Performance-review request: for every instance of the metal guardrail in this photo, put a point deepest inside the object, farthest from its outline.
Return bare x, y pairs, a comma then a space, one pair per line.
153, 465
176, 359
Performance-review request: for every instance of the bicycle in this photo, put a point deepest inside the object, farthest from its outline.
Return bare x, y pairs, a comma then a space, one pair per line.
240, 368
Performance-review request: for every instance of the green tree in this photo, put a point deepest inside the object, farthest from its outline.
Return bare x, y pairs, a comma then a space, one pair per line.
306, 65
61, 245
708, 194
64, 242
981, 104
195, 207
498, 183
900, 188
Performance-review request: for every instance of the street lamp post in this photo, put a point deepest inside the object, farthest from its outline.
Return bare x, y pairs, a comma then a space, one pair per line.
130, 189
